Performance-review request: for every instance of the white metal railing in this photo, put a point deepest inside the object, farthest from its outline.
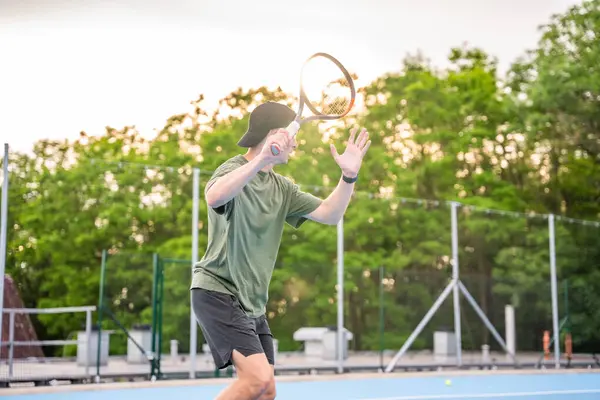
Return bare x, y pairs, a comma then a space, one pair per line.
12, 343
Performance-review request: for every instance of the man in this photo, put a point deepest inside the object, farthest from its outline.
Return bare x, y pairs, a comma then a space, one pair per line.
248, 207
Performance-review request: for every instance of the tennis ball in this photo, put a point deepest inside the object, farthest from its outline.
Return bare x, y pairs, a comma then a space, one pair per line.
448, 382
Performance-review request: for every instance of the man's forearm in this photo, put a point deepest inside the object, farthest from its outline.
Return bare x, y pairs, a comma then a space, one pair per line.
337, 202
228, 186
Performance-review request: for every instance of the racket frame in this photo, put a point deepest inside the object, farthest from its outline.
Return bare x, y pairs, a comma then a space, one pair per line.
294, 126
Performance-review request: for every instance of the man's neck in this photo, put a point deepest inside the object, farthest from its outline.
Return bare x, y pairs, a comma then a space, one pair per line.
251, 154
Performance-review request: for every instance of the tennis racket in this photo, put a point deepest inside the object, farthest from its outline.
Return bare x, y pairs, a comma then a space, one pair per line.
326, 89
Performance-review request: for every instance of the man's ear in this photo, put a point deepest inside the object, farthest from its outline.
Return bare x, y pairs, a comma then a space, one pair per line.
260, 144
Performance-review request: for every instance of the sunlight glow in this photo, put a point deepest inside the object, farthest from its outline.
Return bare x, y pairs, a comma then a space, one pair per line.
325, 86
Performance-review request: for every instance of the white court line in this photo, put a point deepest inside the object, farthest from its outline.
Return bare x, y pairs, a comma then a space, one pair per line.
487, 395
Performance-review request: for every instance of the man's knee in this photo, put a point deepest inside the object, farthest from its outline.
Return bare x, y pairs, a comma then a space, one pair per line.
270, 392
260, 385
256, 373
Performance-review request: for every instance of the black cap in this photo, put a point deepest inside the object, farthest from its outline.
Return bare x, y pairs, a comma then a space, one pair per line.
265, 117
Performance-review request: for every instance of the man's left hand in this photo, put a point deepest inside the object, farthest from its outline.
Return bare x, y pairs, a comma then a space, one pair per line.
351, 160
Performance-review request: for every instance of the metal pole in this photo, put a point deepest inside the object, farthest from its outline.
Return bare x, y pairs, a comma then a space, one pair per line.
88, 338
161, 293
156, 310
381, 316
3, 234
455, 277
510, 331
340, 296
554, 292
566, 298
421, 325
11, 343
100, 312
193, 323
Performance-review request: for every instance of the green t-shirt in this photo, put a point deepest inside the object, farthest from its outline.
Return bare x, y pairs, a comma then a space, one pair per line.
244, 235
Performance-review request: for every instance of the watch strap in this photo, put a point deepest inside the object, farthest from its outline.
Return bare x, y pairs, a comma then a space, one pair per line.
349, 180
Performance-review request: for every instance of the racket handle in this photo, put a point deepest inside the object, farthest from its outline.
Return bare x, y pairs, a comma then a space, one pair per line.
292, 129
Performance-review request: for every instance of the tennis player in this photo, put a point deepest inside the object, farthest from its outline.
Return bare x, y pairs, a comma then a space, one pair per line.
248, 206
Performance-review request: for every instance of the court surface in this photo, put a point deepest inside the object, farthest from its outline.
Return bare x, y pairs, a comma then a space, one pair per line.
548, 385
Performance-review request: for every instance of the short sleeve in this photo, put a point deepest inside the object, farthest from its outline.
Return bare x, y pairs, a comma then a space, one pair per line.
222, 170
300, 205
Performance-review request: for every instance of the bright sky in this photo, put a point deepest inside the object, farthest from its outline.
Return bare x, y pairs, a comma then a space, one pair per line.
73, 65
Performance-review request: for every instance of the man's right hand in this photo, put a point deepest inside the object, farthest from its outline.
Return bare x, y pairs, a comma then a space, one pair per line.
285, 144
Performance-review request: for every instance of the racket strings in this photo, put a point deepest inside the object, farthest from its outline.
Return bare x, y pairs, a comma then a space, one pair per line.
336, 97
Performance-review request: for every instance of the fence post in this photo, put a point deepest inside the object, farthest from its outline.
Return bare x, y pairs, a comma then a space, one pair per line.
161, 291
3, 234
100, 311
340, 295
155, 304
381, 317
455, 278
88, 338
193, 323
553, 284
11, 343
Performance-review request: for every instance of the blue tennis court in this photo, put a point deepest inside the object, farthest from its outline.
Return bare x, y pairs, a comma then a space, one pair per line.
495, 385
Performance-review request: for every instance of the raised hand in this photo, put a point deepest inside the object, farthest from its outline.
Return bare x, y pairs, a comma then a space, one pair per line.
351, 159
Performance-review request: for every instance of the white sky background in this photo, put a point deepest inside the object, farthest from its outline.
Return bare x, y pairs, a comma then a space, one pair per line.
73, 65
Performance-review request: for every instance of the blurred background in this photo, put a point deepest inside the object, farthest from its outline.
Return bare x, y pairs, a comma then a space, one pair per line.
109, 107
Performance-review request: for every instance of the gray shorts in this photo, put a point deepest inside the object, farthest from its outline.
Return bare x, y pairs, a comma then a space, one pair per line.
226, 327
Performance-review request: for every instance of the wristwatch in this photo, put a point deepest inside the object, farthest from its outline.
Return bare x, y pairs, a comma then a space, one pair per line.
349, 180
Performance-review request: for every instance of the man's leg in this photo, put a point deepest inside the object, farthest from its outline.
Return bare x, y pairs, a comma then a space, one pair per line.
255, 373
271, 391
255, 379
233, 339
266, 341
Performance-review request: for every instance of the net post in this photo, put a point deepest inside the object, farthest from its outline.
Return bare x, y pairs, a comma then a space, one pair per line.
100, 312
195, 217
340, 296
553, 284
3, 233
455, 278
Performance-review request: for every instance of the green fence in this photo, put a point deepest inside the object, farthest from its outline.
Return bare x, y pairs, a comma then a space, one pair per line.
176, 300
135, 290
578, 263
